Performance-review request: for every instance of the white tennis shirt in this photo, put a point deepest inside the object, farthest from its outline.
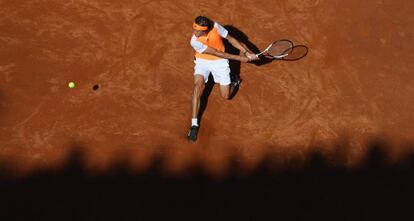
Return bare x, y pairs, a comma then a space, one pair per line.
200, 47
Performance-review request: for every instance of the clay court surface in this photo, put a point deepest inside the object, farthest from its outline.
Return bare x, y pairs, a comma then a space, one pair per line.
355, 86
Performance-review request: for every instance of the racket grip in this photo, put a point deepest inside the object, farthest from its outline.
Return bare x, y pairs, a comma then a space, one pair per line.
259, 53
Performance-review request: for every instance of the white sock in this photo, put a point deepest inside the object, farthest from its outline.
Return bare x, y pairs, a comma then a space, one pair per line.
194, 122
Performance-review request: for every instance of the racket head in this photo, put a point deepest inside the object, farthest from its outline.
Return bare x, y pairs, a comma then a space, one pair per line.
280, 49
297, 53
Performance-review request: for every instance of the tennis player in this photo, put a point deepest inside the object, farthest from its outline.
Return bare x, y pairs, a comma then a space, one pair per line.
210, 57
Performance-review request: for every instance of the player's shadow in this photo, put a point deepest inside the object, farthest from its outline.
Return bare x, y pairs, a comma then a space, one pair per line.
241, 37
298, 52
234, 66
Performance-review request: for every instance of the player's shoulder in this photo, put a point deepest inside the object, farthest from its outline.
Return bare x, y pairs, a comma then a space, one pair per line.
219, 26
220, 29
193, 39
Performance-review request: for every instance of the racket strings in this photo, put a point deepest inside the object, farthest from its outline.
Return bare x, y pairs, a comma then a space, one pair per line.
280, 48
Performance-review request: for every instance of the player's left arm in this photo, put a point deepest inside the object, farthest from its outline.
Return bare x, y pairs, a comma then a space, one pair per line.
237, 44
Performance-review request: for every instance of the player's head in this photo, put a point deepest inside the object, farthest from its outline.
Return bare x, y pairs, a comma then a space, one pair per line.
202, 25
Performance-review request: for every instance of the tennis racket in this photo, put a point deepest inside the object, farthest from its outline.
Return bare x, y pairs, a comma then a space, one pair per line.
278, 49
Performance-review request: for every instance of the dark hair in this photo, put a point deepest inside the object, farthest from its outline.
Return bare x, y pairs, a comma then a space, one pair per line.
204, 21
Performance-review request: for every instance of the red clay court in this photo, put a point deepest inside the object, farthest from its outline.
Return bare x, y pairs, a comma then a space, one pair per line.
354, 86
329, 135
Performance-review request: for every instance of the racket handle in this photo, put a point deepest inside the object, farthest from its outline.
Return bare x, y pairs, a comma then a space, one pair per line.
260, 53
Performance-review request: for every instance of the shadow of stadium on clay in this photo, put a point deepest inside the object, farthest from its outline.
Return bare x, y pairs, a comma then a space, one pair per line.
317, 187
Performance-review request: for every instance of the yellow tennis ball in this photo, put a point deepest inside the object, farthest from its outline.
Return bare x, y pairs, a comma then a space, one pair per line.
71, 85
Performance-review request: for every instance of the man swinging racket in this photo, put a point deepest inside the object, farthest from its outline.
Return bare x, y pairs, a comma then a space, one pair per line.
211, 58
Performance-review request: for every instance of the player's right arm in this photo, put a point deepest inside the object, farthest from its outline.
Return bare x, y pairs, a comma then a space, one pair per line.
221, 54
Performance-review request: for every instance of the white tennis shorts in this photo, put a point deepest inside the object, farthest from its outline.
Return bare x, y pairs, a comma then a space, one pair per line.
220, 70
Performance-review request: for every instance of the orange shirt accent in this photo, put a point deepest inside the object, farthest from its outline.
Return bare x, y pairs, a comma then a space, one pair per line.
212, 40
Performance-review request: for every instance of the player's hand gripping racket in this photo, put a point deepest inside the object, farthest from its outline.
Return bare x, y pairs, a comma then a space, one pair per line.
278, 49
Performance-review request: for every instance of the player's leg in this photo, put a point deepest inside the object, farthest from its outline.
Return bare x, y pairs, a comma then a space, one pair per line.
198, 91
221, 74
225, 91
201, 74
199, 83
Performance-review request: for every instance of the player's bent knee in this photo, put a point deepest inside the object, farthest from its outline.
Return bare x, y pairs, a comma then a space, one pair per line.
225, 95
198, 89
225, 91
